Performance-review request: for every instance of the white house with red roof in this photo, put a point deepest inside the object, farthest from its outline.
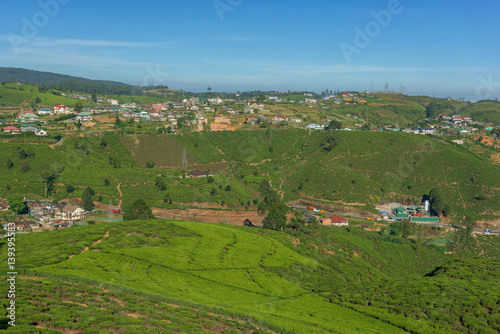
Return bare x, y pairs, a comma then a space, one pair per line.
11, 129
61, 109
160, 106
280, 119
154, 113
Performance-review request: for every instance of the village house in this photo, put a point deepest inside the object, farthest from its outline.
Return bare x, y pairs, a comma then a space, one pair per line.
11, 129
259, 106
279, 119
84, 116
325, 221
334, 221
339, 221
220, 119
160, 106
28, 127
216, 100
24, 226
27, 117
62, 224
69, 212
197, 174
314, 127
154, 114
41, 133
61, 109
4, 206
45, 111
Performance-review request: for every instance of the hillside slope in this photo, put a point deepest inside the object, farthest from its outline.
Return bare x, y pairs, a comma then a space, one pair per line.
242, 271
359, 168
22, 75
314, 282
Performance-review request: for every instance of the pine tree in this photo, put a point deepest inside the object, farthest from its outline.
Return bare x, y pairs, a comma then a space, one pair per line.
88, 204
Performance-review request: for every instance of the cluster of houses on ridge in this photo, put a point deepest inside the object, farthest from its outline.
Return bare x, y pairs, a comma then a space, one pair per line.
47, 215
192, 112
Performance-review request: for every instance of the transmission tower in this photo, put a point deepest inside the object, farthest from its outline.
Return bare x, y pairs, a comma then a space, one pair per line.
184, 164
110, 212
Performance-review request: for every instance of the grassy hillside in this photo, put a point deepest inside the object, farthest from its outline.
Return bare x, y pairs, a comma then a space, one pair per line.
14, 95
8, 74
361, 168
484, 111
315, 282
55, 306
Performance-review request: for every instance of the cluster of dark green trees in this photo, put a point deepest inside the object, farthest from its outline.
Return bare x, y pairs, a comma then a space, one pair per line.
276, 211
273, 207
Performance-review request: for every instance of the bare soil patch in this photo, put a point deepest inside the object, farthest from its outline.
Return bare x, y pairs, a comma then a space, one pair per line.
210, 216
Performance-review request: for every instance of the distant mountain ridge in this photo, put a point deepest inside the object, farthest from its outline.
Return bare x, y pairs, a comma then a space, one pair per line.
8, 74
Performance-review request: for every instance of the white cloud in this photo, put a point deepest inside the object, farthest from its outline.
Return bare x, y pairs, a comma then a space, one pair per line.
44, 42
71, 42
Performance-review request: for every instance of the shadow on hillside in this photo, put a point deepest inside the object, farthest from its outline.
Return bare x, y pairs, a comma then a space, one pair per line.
4, 323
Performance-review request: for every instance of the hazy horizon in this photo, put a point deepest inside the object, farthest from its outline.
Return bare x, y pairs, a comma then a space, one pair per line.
414, 47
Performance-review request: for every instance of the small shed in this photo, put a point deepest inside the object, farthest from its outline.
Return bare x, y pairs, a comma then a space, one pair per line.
325, 221
196, 174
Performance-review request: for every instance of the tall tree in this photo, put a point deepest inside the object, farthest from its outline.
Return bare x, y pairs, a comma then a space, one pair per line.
330, 142
438, 205
48, 180
88, 204
118, 121
9, 164
78, 106
297, 223
276, 218
334, 125
139, 210
17, 205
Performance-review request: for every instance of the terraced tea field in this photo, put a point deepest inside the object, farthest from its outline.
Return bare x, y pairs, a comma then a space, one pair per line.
211, 265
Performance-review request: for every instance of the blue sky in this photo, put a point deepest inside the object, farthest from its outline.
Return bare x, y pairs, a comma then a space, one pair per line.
446, 48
